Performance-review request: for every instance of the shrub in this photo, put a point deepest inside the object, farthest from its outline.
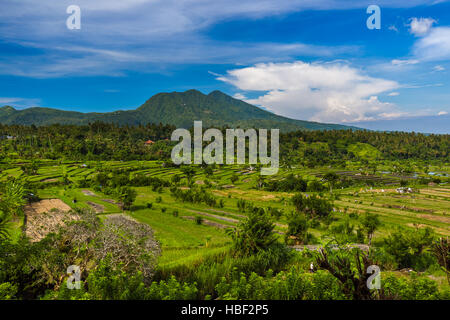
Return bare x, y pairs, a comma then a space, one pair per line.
410, 249
287, 285
313, 206
254, 233
7, 291
415, 288
198, 220
297, 232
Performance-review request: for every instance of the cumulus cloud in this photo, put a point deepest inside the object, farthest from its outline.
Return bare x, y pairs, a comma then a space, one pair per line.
442, 113
326, 92
240, 96
420, 26
435, 46
393, 94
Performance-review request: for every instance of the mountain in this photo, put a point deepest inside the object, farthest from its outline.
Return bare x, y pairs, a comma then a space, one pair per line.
177, 108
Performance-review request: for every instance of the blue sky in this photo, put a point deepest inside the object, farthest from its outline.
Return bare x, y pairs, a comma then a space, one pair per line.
305, 59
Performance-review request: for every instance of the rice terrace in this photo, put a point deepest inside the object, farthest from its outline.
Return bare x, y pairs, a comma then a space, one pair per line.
215, 224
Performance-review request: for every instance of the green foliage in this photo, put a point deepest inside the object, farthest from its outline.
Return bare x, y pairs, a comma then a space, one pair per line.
415, 288
254, 233
370, 223
110, 282
287, 285
343, 232
331, 178
12, 198
126, 195
7, 291
198, 220
289, 184
194, 195
313, 206
297, 232
441, 250
123, 245
410, 249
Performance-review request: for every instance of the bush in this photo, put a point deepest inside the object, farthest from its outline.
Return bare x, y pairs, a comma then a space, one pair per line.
313, 206
109, 282
410, 249
254, 233
7, 291
198, 220
297, 232
287, 285
415, 288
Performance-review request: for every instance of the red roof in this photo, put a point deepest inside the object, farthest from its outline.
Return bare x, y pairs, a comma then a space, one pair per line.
149, 142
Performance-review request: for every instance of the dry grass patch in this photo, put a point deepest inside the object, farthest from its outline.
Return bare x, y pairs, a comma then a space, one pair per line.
46, 216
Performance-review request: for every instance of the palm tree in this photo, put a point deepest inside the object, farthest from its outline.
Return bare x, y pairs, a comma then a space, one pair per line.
13, 199
4, 228
331, 178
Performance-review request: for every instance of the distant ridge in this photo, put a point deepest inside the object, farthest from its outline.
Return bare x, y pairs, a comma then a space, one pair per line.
180, 109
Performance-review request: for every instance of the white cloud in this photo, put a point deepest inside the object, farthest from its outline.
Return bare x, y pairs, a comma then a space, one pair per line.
398, 62
420, 27
442, 113
86, 61
154, 31
393, 94
19, 102
435, 46
239, 96
438, 68
319, 92
393, 28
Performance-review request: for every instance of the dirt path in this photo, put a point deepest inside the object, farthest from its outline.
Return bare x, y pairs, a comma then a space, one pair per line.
316, 247
231, 220
243, 217
208, 222
88, 193
98, 208
110, 201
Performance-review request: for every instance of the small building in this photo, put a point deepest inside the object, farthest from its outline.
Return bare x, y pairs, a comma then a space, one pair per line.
404, 190
7, 137
149, 142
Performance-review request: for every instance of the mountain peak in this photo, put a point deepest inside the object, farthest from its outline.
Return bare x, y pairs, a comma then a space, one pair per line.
217, 93
7, 108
